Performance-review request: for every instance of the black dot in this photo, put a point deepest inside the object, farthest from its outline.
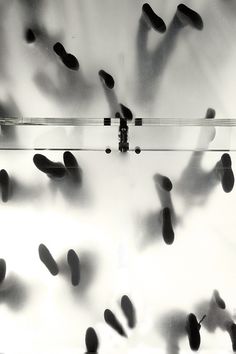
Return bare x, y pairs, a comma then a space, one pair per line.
137, 150
108, 151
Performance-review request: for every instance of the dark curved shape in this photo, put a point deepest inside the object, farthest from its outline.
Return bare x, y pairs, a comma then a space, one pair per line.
72, 166
164, 182
52, 169
68, 59
91, 340
128, 310
59, 49
30, 36
48, 260
227, 180
3, 269
193, 331
188, 16
71, 62
153, 20
232, 333
126, 112
113, 322
74, 264
219, 301
5, 185
167, 229
107, 79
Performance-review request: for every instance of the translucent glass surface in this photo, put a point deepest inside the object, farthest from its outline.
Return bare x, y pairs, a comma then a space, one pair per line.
113, 219
179, 73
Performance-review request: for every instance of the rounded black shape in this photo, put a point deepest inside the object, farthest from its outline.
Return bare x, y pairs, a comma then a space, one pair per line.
47, 259
59, 49
71, 62
137, 150
52, 169
73, 167
211, 113
107, 78
154, 21
187, 15
127, 114
167, 229
113, 322
226, 160
3, 268
227, 179
108, 150
74, 264
30, 36
164, 182
118, 115
232, 333
128, 310
70, 160
91, 340
193, 328
5, 185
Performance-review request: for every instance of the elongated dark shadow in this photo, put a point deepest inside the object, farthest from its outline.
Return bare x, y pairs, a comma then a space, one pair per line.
225, 173
73, 168
176, 325
13, 292
161, 223
129, 311
5, 185
164, 187
107, 79
3, 269
9, 109
68, 59
87, 270
173, 329
164, 182
69, 85
195, 184
33, 13
113, 322
217, 317
74, 264
193, 331
167, 228
48, 260
108, 84
219, 301
30, 36
126, 112
52, 169
151, 65
91, 340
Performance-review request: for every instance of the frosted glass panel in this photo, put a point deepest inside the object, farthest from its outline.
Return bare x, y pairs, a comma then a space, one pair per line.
157, 227
179, 73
